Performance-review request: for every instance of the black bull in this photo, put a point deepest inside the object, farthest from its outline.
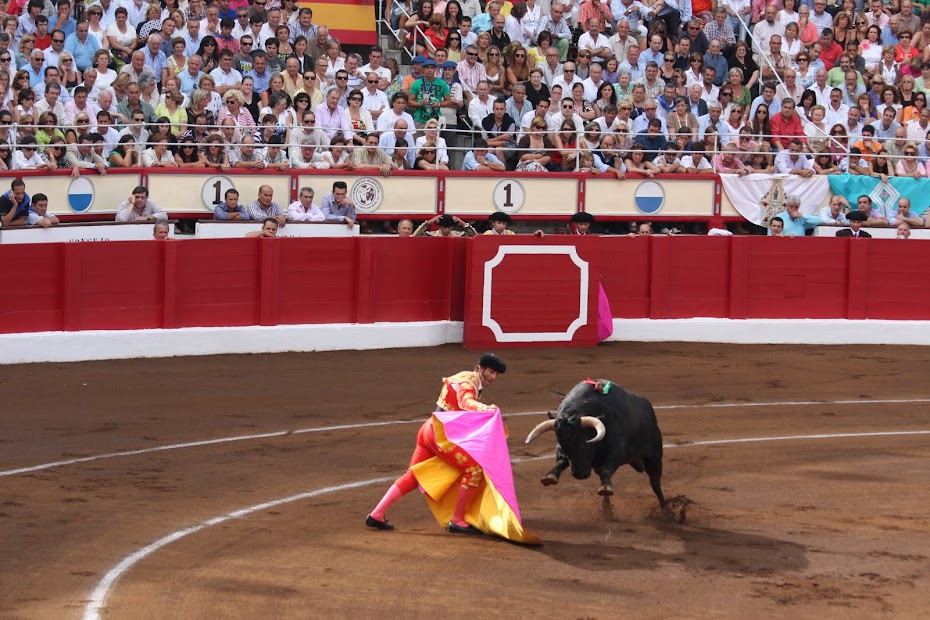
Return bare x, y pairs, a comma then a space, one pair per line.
604, 431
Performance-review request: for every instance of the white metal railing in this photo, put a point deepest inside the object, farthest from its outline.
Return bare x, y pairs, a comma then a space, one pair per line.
840, 150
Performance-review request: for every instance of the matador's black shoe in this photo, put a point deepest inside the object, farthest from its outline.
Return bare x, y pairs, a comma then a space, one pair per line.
371, 522
458, 529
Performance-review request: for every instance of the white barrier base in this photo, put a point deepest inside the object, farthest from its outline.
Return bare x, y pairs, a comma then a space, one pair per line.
127, 344
773, 331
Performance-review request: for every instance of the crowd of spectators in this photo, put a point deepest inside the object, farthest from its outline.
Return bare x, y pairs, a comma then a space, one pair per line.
675, 86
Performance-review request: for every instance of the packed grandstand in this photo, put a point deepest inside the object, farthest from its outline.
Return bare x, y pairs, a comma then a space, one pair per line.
613, 88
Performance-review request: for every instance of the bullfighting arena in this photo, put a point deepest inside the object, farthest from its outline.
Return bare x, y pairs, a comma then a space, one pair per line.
237, 487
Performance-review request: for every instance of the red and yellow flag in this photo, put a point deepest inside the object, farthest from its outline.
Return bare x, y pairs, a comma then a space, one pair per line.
351, 22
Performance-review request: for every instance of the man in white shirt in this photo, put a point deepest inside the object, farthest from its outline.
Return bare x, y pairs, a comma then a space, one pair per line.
565, 112
374, 65
713, 119
763, 30
592, 84
917, 132
709, 92
480, 106
793, 161
398, 111
594, 41
821, 89
621, 40
541, 111
303, 209
55, 49
853, 124
242, 23
836, 111
375, 101
136, 9
225, 77
401, 131
819, 17
567, 79
274, 20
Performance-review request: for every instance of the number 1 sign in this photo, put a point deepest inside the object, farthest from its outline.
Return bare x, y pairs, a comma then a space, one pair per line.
509, 196
214, 189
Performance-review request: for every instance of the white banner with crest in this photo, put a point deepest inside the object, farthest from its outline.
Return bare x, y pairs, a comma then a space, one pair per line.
758, 197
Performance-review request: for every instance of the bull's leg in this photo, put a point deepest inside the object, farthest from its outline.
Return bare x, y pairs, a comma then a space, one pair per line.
654, 470
606, 474
561, 464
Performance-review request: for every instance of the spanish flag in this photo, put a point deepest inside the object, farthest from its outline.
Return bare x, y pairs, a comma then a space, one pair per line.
494, 509
349, 21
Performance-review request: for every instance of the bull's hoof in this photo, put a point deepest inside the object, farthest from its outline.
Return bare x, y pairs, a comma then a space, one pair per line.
605, 490
549, 480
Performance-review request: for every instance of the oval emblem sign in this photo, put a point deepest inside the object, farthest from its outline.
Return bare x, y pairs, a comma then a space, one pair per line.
367, 194
81, 195
649, 197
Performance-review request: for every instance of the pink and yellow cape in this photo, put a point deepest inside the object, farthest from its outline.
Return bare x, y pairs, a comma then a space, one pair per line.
494, 509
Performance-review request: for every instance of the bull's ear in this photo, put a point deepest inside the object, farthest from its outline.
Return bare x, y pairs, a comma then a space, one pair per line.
549, 413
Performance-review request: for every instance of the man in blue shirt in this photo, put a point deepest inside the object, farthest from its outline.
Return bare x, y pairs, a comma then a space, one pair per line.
190, 79
652, 140
259, 75
82, 46
14, 204
796, 223
337, 207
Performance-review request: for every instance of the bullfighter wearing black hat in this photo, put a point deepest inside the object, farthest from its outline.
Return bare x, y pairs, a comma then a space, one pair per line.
445, 223
460, 392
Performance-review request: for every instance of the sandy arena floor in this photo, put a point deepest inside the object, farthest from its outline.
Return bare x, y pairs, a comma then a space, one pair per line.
801, 523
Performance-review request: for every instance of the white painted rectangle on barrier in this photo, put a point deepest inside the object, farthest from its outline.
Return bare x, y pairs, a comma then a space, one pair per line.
91, 194
377, 195
232, 230
653, 198
81, 232
516, 196
193, 193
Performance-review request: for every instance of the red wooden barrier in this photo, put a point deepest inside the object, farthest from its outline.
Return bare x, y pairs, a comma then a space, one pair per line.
231, 282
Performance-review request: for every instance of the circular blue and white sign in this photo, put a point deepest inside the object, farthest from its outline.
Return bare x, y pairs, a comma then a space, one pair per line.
649, 197
81, 194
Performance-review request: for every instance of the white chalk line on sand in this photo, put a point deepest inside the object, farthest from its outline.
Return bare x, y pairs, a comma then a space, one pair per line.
323, 429
96, 603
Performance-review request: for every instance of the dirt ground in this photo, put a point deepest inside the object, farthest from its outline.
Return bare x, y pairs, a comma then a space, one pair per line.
797, 527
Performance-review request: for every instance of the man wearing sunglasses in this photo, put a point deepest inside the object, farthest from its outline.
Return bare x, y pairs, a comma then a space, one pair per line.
375, 101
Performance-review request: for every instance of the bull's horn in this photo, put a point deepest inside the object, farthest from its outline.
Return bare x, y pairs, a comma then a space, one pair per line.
591, 422
542, 427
